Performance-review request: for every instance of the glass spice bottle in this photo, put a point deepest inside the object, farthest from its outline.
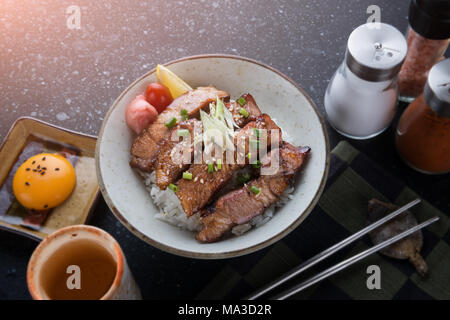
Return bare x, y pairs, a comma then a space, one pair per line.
423, 132
361, 98
428, 38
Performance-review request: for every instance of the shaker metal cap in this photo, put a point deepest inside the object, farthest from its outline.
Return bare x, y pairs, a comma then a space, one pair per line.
437, 88
376, 51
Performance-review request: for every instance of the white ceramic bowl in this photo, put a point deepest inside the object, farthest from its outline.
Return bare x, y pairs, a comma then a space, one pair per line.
275, 94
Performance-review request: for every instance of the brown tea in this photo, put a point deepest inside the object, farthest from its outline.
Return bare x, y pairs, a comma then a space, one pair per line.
97, 269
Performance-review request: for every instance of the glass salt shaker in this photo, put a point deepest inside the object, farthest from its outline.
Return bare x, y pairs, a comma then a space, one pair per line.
423, 131
428, 38
361, 98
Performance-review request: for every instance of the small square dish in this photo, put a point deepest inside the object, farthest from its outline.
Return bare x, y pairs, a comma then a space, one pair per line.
28, 137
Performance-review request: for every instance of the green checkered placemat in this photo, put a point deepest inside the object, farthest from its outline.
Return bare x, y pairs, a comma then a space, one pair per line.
353, 180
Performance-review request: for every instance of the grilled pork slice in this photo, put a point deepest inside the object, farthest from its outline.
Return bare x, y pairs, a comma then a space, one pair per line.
145, 147
249, 105
196, 193
168, 169
170, 162
240, 206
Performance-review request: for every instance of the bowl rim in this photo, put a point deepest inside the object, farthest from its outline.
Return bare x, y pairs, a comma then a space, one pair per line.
226, 254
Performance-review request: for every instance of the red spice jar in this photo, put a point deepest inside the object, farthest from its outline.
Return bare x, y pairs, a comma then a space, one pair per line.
423, 132
428, 39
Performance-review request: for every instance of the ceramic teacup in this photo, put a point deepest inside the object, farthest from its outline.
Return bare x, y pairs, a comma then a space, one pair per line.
80, 262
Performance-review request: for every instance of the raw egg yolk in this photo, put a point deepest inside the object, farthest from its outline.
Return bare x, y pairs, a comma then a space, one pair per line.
44, 181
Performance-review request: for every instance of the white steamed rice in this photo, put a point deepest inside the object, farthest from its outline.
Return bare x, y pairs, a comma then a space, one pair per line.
172, 212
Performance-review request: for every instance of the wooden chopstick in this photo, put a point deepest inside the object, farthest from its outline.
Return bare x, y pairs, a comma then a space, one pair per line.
328, 252
346, 263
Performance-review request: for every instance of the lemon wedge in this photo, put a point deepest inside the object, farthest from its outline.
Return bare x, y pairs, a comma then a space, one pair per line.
169, 79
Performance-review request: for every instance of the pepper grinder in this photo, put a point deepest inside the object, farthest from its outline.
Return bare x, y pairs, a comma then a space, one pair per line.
361, 98
428, 38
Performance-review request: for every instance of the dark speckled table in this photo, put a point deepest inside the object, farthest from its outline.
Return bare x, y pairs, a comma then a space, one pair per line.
71, 77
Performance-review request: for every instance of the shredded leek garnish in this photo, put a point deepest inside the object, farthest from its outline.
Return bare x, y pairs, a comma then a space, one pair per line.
221, 120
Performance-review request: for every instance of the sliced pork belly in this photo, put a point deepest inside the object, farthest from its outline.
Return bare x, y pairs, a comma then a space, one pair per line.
241, 205
197, 193
168, 169
249, 105
170, 163
146, 146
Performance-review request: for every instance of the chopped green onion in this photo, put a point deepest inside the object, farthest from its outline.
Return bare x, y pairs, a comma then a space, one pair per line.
219, 164
244, 112
255, 190
243, 178
210, 168
184, 114
183, 133
257, 132
241, 101
171, 122
257, 165
187, 175
173, 187
249, 155
254, 144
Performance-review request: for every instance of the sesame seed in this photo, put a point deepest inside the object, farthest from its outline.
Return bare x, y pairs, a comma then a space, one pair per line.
42, 173
56, 169
39, 166
34, 170
46, 206
44, 168
27, 169
195, 179
202, 181
33, 162
27, 183
43, 159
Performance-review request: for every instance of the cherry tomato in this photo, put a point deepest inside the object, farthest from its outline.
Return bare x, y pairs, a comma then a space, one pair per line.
158, 96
